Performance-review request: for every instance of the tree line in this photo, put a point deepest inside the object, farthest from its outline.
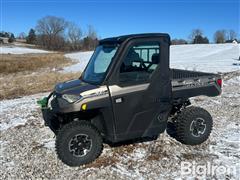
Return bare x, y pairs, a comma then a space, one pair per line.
56, 33
197, 37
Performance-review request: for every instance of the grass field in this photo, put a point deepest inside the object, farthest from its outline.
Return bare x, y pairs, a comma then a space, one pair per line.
27, 74
13, 63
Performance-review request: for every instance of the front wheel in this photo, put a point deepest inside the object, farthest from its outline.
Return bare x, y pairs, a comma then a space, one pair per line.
78, 143
192, 126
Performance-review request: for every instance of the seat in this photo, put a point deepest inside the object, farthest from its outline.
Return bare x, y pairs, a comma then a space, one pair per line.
155, 58
131, 57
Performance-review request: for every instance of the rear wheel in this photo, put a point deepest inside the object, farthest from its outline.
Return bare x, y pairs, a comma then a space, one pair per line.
78, 143
192, 126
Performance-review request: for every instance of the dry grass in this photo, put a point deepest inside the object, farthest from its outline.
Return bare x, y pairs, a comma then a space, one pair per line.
13, 63
13, 86
25, 74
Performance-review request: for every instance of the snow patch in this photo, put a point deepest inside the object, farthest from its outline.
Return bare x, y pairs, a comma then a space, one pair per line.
19, 50
81, 58
233, 81
49, 144
17, 112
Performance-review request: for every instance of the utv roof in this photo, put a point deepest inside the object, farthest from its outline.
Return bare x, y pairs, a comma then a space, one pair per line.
120, 39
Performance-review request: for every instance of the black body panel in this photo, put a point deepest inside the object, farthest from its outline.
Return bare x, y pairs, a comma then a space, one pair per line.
75, 87
124, 38
211, 90
186, 84
183, 74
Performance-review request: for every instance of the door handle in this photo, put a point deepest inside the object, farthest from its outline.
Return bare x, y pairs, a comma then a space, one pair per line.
118, 100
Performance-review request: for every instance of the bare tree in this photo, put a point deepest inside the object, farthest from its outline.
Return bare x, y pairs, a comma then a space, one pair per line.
50, 30
91, 32
22, 35
220, 36
74, 35
91, 40
232, 35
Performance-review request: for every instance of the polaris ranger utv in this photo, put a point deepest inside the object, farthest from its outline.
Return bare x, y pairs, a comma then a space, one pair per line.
127, 91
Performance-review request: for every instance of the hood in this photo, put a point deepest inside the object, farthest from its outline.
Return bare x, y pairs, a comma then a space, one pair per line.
73, 87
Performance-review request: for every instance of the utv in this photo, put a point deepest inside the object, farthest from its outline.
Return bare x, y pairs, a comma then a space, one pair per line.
127, 91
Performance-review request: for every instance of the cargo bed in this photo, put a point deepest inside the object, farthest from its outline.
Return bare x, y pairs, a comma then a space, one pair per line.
188, 84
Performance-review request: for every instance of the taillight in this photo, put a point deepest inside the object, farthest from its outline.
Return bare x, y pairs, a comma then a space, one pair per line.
219, 82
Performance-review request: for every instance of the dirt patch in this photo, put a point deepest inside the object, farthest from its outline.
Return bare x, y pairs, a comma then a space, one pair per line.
102, 161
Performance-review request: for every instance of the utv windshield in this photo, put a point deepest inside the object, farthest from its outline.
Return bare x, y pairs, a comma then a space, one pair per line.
100, 61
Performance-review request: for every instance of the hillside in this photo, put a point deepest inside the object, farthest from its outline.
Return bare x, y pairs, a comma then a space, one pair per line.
200, 57
20, 50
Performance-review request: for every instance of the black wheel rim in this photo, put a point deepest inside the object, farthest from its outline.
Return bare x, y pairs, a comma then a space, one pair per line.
198, 127
79, 145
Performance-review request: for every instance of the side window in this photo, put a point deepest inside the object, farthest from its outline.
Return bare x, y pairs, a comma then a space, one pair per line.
139, 63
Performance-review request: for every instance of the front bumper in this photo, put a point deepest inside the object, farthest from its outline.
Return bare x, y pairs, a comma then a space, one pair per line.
50, 119
50, 115
53, 108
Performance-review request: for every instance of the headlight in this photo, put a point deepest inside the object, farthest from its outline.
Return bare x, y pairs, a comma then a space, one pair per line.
71, 98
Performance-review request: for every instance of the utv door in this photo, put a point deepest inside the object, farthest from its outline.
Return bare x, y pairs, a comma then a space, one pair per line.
142, 95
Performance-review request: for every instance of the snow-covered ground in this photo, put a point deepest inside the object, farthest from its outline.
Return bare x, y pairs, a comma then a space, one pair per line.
200, 57
81, 58
19, 50
24, 111
206, 57
27, 146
